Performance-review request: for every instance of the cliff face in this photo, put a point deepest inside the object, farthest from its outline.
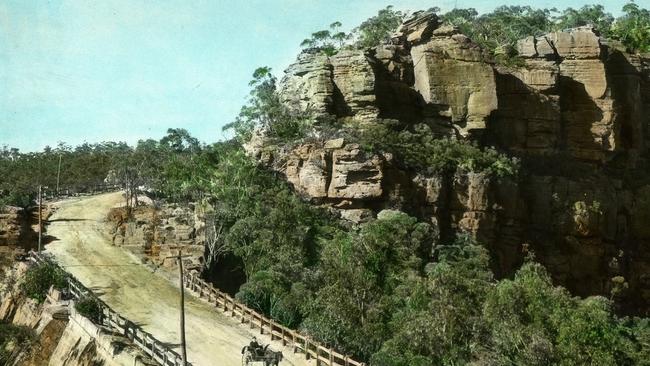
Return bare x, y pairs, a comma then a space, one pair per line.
577, 112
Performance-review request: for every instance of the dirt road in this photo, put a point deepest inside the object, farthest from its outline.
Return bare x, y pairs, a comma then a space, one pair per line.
83, 247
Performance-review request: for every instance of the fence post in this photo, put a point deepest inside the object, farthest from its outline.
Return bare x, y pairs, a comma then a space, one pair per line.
331, 357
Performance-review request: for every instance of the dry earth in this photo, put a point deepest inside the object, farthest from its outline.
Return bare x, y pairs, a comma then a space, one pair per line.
149, 299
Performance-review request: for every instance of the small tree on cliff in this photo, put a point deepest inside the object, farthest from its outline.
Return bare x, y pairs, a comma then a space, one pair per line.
633, 28
327, 41
377, 30
265, 110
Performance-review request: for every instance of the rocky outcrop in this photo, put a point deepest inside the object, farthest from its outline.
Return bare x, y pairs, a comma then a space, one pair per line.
62, 337
308, 84
453, 76
576, 110
159, 233
11, 224
19, 227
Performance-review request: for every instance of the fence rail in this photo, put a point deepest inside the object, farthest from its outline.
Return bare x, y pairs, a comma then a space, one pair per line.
49, 193
299, 342
156, 349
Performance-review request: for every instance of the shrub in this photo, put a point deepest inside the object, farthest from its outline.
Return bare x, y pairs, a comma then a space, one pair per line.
419, 149
377, 29
90, 308
265, 110
13, 337
40, 278
633, 28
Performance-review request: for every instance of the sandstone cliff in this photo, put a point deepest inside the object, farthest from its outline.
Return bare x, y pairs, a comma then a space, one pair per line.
577, 112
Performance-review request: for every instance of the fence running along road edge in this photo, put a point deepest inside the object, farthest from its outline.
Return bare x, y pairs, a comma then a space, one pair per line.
298, 342
204, 290
156, 349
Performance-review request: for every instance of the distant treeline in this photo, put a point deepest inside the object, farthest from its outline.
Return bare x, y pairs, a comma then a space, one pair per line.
161, 166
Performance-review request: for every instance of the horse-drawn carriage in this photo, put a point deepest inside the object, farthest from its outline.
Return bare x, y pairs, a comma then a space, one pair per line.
252, 355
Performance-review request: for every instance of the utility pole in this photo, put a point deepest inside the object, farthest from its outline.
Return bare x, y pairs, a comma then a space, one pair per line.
58, 175
40, 217
183, 348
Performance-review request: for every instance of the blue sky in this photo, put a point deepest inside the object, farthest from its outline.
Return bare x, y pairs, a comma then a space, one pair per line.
93, 71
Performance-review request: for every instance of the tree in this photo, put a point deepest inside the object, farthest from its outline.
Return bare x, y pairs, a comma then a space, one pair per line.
594, 15
633, 28
377, 29
264, 110
440, 313
361, 273
328, 41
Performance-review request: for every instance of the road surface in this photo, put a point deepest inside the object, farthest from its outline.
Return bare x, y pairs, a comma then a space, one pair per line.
83, 246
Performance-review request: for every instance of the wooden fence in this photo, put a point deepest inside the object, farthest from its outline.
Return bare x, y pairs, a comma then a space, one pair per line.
298, 342
49, 194
156, 349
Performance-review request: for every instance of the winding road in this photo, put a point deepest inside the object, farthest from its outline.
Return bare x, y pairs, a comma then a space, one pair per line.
82, 245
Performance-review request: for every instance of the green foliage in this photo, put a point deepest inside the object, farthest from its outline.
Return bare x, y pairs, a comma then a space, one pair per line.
265, 110
361, 273
328, 41
40, 278
529, 321
498, 31
377, 29
13, 338
594, 15
274, 233
441, 312
177, 166
82, 167
460, 314
419, 149
633, 28
90, 308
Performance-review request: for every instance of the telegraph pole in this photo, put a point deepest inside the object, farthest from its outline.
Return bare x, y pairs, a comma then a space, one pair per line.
58, 175
183, 348
40, 217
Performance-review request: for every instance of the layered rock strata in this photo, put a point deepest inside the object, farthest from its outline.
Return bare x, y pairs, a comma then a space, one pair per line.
576, 111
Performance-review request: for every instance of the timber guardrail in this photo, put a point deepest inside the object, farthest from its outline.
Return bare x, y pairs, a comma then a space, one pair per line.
74, 192
299, 342
156, 349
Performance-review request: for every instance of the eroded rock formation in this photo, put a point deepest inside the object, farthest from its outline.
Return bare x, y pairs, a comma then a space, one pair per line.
62, 337
577, 112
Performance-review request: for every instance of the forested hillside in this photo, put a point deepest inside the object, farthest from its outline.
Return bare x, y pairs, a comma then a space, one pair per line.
397, 222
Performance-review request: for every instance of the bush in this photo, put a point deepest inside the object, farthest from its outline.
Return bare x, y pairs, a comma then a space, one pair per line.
40, 278
418, 149
13, 338
90, 308
377, 29
265, 110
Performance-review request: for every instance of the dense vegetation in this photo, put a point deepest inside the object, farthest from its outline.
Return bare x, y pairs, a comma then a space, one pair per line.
498, 31
39, 279
418, 149
173, 166
90, 308
13, 339
386, 291
389, 293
